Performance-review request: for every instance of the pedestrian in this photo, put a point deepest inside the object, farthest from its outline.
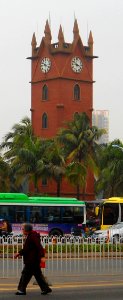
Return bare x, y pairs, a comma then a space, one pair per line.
6, 228
32, 253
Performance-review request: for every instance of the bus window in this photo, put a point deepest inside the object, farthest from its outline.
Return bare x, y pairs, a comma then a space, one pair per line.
52, 214
15, 214
4, 212
121, 205
36, 218
110, 213
78, 215
19, 214
36, 214
67, 214
73, 215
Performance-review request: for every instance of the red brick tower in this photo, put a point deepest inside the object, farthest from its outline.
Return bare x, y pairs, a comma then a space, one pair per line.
61, 84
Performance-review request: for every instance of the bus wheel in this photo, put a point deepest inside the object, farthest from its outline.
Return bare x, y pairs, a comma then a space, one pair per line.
55, 232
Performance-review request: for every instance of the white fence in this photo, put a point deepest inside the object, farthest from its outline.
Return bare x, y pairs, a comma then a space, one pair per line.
65, 255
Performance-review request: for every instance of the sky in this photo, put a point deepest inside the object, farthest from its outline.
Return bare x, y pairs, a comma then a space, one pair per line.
20, 18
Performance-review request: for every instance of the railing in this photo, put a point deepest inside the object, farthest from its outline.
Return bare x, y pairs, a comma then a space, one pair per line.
65, 255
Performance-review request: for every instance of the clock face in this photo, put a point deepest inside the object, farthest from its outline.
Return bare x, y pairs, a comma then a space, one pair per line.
45, 65
76, 64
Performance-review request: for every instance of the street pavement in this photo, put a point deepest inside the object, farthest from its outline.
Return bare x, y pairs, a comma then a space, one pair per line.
87, 286
77, 279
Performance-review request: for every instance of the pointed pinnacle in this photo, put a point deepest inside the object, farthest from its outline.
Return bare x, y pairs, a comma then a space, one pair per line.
76, 28
61, 35
90, 39
47, 31
33, 43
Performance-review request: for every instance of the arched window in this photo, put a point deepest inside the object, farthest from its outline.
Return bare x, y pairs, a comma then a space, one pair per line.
76, 114
76, 92
45, 92
44, 181
44, 121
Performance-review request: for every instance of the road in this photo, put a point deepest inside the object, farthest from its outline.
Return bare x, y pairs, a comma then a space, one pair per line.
111, 292
108, 287
12, 268
70, 279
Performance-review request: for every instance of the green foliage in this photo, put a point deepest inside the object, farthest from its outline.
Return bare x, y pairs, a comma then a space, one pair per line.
71, 154
110, 161
78, 139
67, 249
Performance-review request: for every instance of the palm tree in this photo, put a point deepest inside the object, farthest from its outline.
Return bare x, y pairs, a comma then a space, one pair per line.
110, 180
15, 139
22, 152
32, 158
55, 163
29, 161
79, 142
4, 176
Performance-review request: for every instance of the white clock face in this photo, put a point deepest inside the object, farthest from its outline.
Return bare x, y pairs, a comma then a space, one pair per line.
45, 65
76, 64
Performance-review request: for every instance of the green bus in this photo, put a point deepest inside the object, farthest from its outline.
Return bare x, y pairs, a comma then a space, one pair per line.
49, 215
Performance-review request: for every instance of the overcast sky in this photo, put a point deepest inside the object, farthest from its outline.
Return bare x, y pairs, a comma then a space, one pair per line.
20, 18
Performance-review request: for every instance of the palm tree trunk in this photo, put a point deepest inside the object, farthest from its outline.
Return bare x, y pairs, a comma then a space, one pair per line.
84, 192
36, 185
78, 191
58, 188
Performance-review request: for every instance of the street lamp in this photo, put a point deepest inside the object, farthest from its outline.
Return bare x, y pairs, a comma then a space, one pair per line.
117, 146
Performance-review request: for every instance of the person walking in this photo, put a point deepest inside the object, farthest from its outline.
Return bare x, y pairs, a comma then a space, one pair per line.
32, 253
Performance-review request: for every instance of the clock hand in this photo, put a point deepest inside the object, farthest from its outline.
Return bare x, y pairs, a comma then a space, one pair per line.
77, 64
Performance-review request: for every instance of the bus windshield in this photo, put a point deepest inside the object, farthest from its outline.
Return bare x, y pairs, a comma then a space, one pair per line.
49, 215
110, 212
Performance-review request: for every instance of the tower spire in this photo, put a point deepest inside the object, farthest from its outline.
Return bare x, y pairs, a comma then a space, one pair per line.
33, 43
47, 33
90, 42
60, 36
75, 30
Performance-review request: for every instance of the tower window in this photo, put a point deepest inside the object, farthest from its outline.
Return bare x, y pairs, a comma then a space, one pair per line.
45, 92
76, 92
44, 181
44, 121
76, 114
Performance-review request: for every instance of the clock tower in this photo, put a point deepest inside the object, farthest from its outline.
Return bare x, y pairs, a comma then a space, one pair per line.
61, 85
